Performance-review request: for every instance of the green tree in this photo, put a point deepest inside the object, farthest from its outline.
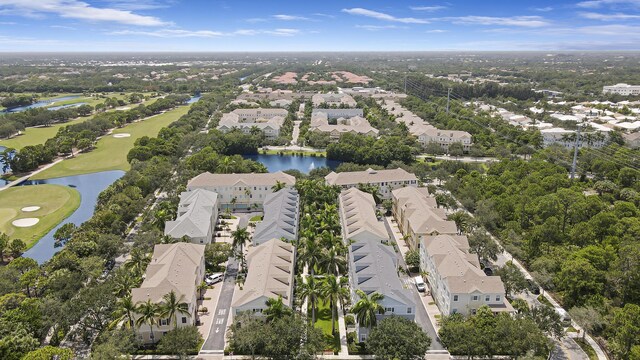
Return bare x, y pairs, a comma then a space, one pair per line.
335, 292
240, 239
398, 338
579, 279
278, 186
513, 280
124, 314
172, 306
17, 247
276, 309
311, 291
587, 317
625, 326
456, 149
138, 262
367, 308
180, 341
331, 262
480, 243
148, 313
64, 233
4, 242
48, 353
412, 259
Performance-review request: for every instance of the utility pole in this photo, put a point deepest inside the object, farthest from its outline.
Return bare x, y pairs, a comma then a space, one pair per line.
575, 153
448, 98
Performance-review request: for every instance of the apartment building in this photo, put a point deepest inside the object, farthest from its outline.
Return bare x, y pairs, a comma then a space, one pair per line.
336, 113
386, 180
418, 216
196, 217
354, 125
175, 267
281, 217
270, 275
240, 191
427, 134
373, 264
622, 89
333, 100
268, 121
455, 279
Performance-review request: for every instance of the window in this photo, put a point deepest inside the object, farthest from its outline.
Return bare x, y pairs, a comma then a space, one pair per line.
497, 297
164, 322
487, 298
473, 311
475, 297
389, 309
363, 338
455, 297
408, 310
184, 319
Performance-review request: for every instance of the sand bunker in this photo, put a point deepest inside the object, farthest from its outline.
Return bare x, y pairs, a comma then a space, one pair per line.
26, 222
123, 135
30, 208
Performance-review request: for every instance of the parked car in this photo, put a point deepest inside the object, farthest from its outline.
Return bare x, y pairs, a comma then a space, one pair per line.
420, 284
488, 271
214, 278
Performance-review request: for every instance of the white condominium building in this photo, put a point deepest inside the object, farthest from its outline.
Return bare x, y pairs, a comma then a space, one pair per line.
386, 180
457, 283
333, 99
240, 191
269, 121
355, 125
196, 218
622, 89
281, 216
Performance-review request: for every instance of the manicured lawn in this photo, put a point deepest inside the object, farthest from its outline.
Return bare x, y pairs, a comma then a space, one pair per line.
111, 153
256, 218
323, 322
56, 203
37, 135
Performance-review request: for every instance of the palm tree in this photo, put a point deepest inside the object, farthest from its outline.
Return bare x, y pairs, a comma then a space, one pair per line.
123, 285
278, 186
149, 313
138, 261
332, 262
202, 288
311, 255
225, 166
310, 291
172, 306
276, 309
164, 213
125, 313
461, 219
334, 291
367, 308
240, 238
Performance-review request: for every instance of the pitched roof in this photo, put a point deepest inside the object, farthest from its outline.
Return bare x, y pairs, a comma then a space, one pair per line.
194, 214
358, 216
369, 176
281, 210
261, 179
459, 268
270, 273
172, 267
421, 212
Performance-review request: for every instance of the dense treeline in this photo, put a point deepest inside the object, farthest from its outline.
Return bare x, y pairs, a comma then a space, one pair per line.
82, 136
15, 101
580, 239
11, 123
435, 87
363, 149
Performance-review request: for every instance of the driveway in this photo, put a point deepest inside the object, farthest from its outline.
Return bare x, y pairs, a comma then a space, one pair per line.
215, 342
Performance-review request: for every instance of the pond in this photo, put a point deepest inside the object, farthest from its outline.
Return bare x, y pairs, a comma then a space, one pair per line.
89, 186
286, 162
40, 103
194, 99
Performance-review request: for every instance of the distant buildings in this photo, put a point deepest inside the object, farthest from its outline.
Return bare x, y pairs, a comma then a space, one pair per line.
281, 216
196, 217
269, 121
337, 113
175, 267
240, 191
418, 216
633, 140
373, 264
385, 180
354, 125
270, 275
567, 138
457, 283
333, 100
622, 89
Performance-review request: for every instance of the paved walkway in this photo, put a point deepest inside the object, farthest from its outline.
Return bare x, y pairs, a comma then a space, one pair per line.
26, 177
296, 132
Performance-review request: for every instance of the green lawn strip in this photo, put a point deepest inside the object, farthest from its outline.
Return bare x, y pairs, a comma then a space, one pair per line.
38, 135
110, 152
323, 322
56, 203
256, 218
587, 348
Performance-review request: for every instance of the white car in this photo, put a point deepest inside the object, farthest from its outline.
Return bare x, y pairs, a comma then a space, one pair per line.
214, 278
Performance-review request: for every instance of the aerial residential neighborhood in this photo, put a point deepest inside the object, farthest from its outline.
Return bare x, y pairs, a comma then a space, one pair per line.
360, 180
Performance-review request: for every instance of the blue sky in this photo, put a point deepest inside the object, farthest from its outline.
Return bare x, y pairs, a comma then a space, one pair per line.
212, 25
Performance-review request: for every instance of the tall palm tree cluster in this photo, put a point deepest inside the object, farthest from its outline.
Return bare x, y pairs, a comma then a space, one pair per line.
130, 315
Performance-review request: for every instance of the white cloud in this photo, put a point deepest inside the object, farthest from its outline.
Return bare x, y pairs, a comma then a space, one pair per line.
603, 3
140, 4
428, 8
608, 17
289, 17
383, 16
179, 33
436, 31
62, 27
379, 27
75, 9
611, 30
282, 32
523, 21
543, 9
324, 15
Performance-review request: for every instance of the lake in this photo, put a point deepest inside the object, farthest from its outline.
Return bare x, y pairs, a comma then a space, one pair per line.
41, 103
286, 162
89, 186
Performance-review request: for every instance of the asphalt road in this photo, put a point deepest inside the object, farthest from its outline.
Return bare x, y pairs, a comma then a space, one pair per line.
215, 340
